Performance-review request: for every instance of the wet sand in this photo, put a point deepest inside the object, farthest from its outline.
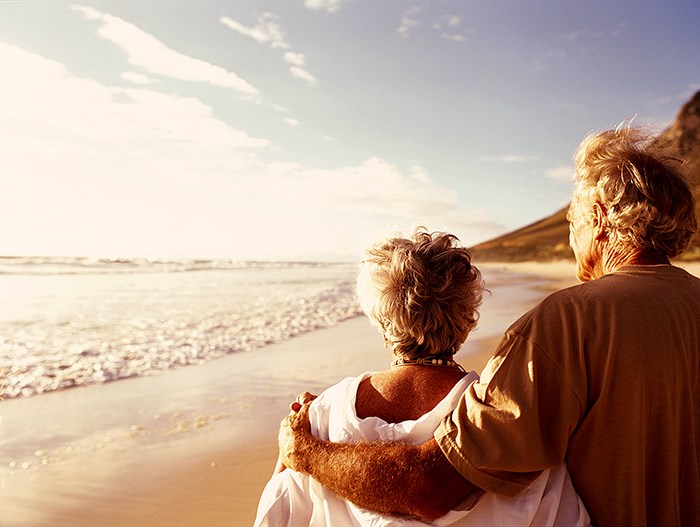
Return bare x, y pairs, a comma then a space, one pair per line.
210, 477
195, 446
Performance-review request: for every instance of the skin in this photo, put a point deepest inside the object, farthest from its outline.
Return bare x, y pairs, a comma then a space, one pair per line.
588, 239
358, 472
418, 480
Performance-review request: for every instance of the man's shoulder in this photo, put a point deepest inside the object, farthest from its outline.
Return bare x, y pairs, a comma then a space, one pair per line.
616, 282
568, 296
614, 288
562, 307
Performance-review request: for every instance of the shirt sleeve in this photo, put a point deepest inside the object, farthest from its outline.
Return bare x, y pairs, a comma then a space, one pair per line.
514, 423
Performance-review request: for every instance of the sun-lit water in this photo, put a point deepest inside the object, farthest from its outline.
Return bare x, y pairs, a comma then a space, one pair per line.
70, 322
65, 324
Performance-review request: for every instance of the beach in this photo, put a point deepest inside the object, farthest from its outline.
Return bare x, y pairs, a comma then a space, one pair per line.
195, 445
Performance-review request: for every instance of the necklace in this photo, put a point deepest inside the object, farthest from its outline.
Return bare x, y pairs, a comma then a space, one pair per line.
426, 361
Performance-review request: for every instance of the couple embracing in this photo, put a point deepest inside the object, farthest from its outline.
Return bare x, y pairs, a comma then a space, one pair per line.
587, 413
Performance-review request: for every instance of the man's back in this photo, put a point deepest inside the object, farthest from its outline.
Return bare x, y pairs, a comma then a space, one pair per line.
636, 449
626, 413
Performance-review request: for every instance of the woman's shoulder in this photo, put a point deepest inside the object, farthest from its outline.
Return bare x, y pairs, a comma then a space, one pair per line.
341, 390
406, 393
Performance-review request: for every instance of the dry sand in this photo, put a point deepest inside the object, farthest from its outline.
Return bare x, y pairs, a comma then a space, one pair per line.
196, 446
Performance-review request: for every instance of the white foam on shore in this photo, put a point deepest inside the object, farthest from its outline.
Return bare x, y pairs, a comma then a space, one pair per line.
234, 387
77, 329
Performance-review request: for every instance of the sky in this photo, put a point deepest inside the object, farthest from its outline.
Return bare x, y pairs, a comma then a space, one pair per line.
310, 129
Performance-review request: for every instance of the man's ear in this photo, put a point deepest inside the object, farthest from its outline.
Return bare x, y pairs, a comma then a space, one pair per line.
599, 222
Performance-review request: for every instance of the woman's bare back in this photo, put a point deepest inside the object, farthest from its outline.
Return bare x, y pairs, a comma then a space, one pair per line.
405, 393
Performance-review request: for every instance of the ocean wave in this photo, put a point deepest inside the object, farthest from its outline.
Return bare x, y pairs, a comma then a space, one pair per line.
24, 265
98, 346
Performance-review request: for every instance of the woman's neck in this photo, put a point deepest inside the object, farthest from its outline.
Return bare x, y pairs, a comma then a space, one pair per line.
444, 361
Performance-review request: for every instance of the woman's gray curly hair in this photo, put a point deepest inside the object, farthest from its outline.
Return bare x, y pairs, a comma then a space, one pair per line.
648, 203
423, 293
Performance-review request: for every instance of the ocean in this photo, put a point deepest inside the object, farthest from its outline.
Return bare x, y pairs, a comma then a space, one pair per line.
67, 322
209, 351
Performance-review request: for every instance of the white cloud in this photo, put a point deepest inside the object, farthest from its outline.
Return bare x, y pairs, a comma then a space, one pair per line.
99, 170
150, 54
301, 73
266, 31
291, 122
93, 169
137, 78
296, 59
46, 109
375, 187
448, 26
409, 21
454, 37
508, 158
560, 173
359, 204
330, 6
579, 42
453, 20
581, 35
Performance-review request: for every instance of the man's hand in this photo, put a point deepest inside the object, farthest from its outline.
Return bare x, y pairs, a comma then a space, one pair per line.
302, 399
295, 436
387, 477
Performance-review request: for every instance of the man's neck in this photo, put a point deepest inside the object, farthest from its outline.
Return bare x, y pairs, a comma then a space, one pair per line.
613, 261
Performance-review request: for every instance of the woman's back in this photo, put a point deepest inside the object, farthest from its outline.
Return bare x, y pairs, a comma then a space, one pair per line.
292, 499
405, 393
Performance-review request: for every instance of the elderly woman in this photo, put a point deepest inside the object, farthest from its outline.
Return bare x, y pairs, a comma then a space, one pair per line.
422, 294
604, 376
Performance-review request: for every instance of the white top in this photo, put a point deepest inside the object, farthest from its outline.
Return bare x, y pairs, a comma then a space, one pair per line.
293, 499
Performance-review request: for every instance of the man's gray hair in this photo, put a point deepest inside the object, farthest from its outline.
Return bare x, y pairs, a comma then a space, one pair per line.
648, 203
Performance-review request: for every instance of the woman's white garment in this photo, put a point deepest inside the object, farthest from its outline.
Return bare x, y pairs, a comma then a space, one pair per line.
293, 499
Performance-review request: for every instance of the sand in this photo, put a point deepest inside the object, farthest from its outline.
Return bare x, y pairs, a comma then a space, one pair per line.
195, 446
197, 441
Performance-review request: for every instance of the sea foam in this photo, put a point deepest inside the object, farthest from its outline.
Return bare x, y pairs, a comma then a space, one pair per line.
71, 322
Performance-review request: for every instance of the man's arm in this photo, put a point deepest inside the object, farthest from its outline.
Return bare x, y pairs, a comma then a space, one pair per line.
385, 477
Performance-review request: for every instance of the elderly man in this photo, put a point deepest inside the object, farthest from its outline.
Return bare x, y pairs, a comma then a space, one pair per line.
604, 376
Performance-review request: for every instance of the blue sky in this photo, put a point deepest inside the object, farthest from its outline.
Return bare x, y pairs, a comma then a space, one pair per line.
310, 128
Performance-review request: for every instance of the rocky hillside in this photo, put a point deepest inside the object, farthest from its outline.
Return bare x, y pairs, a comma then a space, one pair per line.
548, 239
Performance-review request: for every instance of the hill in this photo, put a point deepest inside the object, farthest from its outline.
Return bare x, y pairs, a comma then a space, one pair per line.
548, 239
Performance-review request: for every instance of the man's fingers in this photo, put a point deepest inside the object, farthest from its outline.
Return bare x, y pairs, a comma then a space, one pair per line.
302, 416
298, 419
305, 397
292, 433
302, 398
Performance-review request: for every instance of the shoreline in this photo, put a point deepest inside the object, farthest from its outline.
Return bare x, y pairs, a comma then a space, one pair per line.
129, 452
195, 446
213, 478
